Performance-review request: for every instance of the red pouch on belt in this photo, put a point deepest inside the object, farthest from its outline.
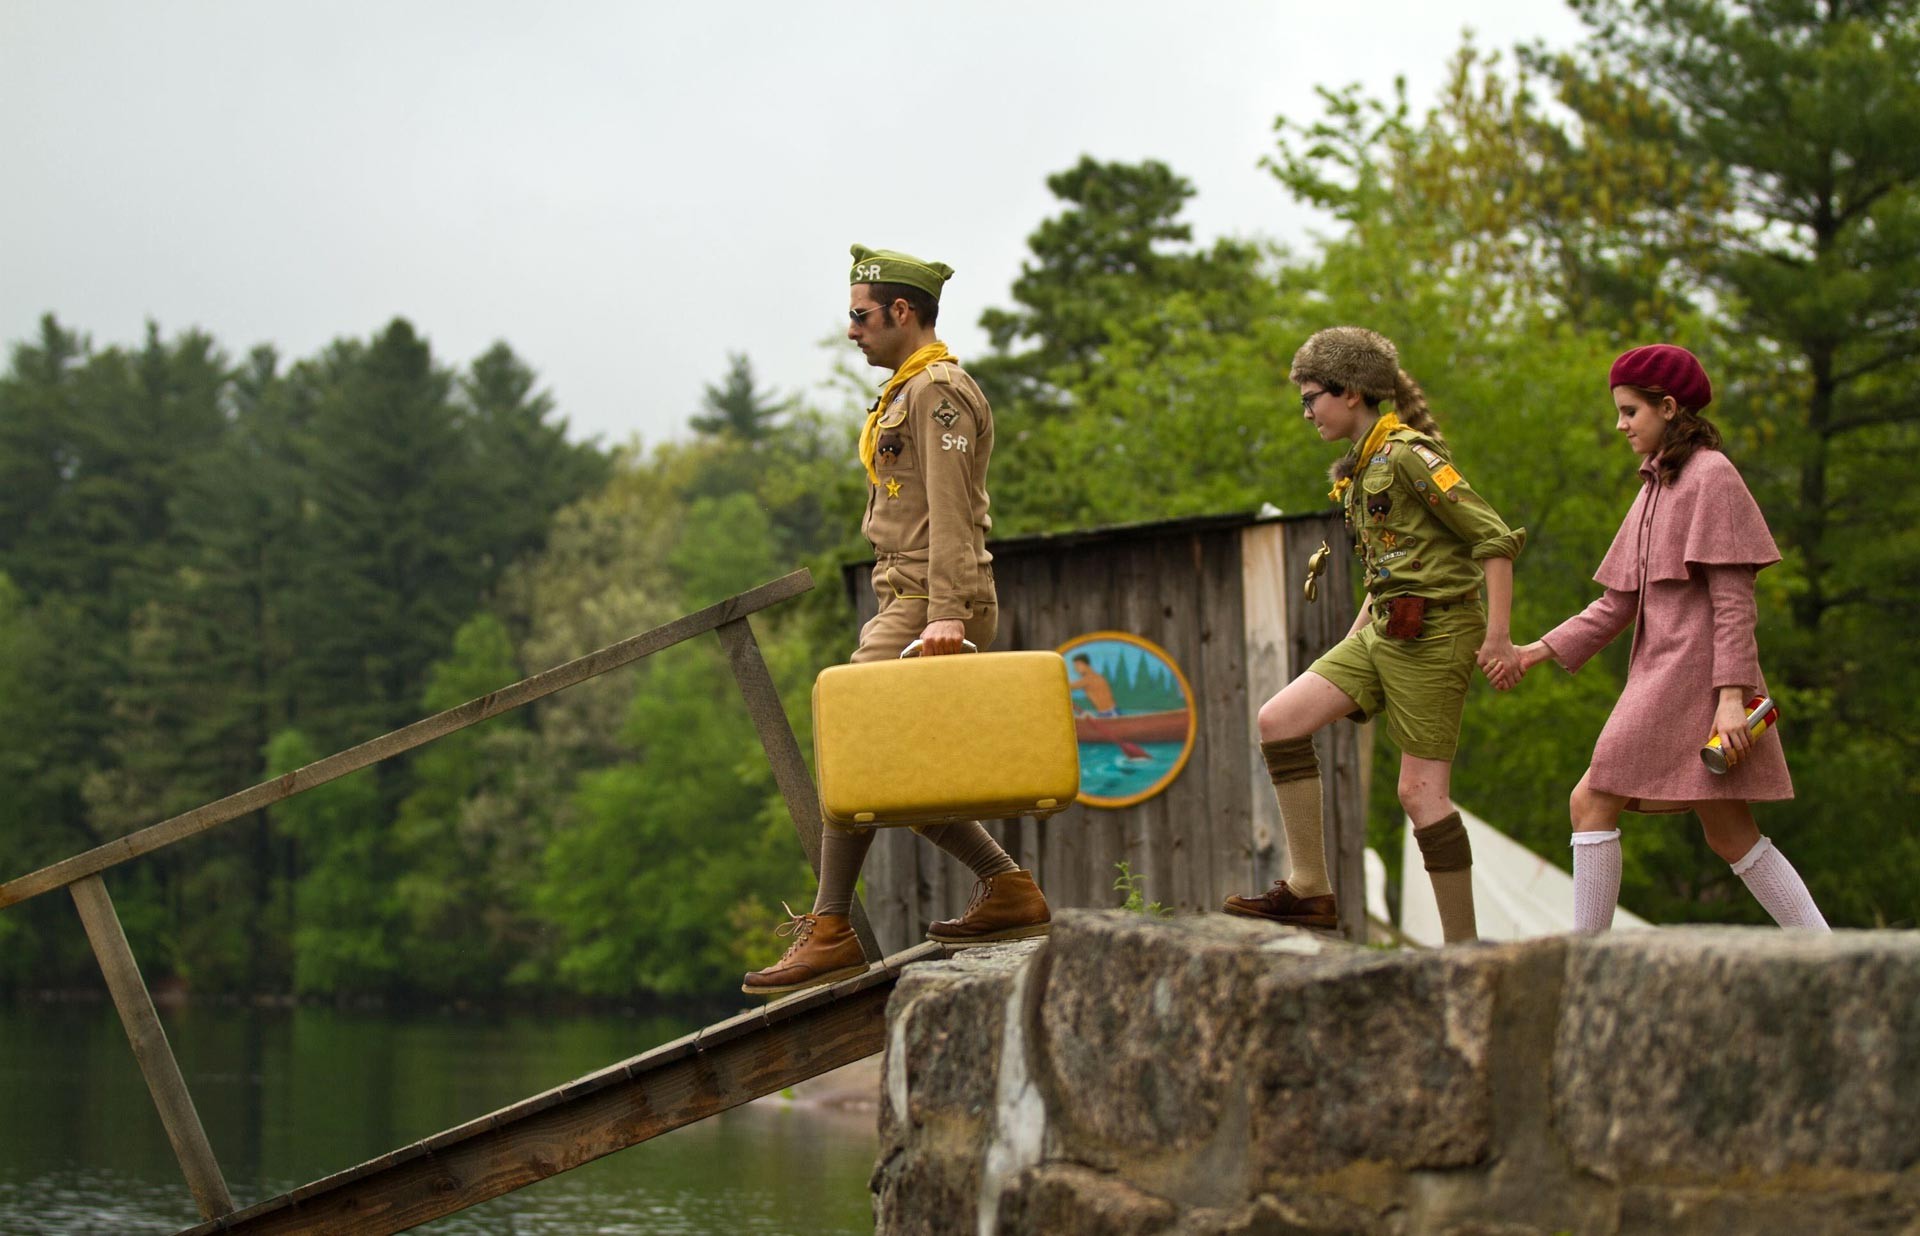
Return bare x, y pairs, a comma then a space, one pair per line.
1404, 616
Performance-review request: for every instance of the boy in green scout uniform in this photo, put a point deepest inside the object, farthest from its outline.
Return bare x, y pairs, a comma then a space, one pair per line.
1426, 542
925, 447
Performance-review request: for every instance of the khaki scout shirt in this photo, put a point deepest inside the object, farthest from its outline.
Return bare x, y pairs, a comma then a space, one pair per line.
1419, 528
930, 505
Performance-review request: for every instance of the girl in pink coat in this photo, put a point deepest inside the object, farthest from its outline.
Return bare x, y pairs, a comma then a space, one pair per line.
1680, 573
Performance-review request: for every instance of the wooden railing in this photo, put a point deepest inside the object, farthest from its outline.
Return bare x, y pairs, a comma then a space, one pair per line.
82, 873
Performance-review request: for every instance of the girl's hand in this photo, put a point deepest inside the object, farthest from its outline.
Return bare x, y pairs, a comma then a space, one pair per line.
1500, 661
1730, 722
1533, 654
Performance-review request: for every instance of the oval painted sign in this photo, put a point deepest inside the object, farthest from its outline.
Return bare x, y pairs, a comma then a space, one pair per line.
1133, 714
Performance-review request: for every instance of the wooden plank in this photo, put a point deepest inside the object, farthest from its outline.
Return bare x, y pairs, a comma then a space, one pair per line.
498, 1154
1221, 866
1267, 589
151, 1049
783, 752
1151, 595
521, 693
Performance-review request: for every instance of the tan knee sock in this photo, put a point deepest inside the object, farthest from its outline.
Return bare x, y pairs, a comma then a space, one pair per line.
842, 851
1296, 783
1449, 861
973, 845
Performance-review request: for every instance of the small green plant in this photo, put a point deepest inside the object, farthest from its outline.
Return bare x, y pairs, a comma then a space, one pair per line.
1133, 886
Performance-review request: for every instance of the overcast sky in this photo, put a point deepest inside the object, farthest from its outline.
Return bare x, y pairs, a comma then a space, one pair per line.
626, 192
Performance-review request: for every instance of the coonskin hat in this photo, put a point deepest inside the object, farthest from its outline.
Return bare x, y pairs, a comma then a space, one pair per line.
891, 266
1673, 369
1351, 358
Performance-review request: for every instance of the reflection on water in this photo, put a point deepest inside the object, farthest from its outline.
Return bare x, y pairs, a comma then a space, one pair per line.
289, 1096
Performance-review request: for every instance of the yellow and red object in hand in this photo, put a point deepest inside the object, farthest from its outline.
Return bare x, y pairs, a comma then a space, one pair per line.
1762, 714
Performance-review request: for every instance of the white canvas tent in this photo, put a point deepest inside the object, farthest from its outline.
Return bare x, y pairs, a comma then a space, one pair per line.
1516, 894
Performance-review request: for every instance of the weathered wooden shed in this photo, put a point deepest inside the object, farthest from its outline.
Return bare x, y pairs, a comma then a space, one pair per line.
1222, 595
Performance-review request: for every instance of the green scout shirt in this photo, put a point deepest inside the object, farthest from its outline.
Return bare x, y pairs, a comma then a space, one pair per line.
1419, 528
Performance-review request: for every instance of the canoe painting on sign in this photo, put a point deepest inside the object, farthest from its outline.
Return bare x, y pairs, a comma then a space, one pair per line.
1132, 713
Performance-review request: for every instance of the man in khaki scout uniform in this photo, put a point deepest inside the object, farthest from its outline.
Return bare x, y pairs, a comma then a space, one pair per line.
925, 448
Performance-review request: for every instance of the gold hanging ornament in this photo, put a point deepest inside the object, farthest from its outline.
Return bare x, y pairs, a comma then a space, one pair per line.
1316, 565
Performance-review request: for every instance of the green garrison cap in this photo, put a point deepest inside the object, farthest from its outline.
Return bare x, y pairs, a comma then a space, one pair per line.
888, 266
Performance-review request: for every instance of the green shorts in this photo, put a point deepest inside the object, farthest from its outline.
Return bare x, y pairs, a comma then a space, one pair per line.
1420, 684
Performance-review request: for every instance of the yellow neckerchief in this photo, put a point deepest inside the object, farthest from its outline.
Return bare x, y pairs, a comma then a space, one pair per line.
1376, 439
932, 354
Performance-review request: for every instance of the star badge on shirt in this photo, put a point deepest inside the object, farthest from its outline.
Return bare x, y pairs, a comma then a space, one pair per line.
893, 488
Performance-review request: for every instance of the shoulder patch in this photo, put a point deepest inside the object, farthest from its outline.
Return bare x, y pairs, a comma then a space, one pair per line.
1445, 477
1428, 456
946, 414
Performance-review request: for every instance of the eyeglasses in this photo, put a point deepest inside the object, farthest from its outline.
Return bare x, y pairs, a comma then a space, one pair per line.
1309, 398
859, 316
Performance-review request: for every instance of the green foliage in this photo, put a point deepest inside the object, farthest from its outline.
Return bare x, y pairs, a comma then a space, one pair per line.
343, 901
665, 850
1134, 886
461, 873
1104, 265
737, 409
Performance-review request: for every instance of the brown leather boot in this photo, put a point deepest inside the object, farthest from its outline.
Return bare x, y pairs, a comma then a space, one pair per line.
1281, 904
824, 950
1004, 907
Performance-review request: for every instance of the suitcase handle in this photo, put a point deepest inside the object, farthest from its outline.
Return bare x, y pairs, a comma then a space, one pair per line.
909, 650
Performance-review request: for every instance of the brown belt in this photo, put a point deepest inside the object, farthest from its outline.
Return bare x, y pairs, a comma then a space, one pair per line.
1432, 602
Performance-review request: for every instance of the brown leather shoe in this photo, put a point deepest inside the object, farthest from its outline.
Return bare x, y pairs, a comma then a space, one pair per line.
1004, 907
1281, 904
824, 950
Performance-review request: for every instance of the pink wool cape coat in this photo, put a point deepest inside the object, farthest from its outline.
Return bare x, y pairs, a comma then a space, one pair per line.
1681, 573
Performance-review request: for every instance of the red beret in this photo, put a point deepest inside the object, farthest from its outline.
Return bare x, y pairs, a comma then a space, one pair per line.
1673, 369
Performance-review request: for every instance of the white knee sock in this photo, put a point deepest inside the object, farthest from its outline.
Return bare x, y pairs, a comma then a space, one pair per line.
1778, 887
1596, 879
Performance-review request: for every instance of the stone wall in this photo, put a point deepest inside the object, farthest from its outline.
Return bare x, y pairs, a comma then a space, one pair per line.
1211, 1075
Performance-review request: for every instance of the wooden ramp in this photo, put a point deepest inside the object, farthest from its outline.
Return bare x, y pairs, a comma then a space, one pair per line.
757, 1053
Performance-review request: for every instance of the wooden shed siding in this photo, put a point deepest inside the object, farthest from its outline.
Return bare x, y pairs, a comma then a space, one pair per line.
1214, 594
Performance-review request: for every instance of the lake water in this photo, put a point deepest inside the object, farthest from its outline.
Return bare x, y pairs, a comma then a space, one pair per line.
291, 1095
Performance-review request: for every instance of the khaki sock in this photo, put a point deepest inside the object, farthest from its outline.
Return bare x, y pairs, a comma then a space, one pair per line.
973, 845
842, 851
1296, 784
1449, 861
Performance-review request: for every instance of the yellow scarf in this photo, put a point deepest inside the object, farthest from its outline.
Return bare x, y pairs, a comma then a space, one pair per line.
932, 354
1376, 439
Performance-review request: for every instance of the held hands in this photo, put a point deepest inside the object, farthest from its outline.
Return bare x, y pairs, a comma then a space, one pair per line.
1499, 660
1505, 666
1730, 722
943, 636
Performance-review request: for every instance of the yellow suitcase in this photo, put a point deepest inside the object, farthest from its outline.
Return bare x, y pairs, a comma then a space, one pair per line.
938, 740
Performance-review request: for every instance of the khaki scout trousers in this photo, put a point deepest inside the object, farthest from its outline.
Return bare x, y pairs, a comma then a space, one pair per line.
900, 587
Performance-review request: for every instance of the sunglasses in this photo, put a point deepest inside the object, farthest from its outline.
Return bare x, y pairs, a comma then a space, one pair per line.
859, 316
